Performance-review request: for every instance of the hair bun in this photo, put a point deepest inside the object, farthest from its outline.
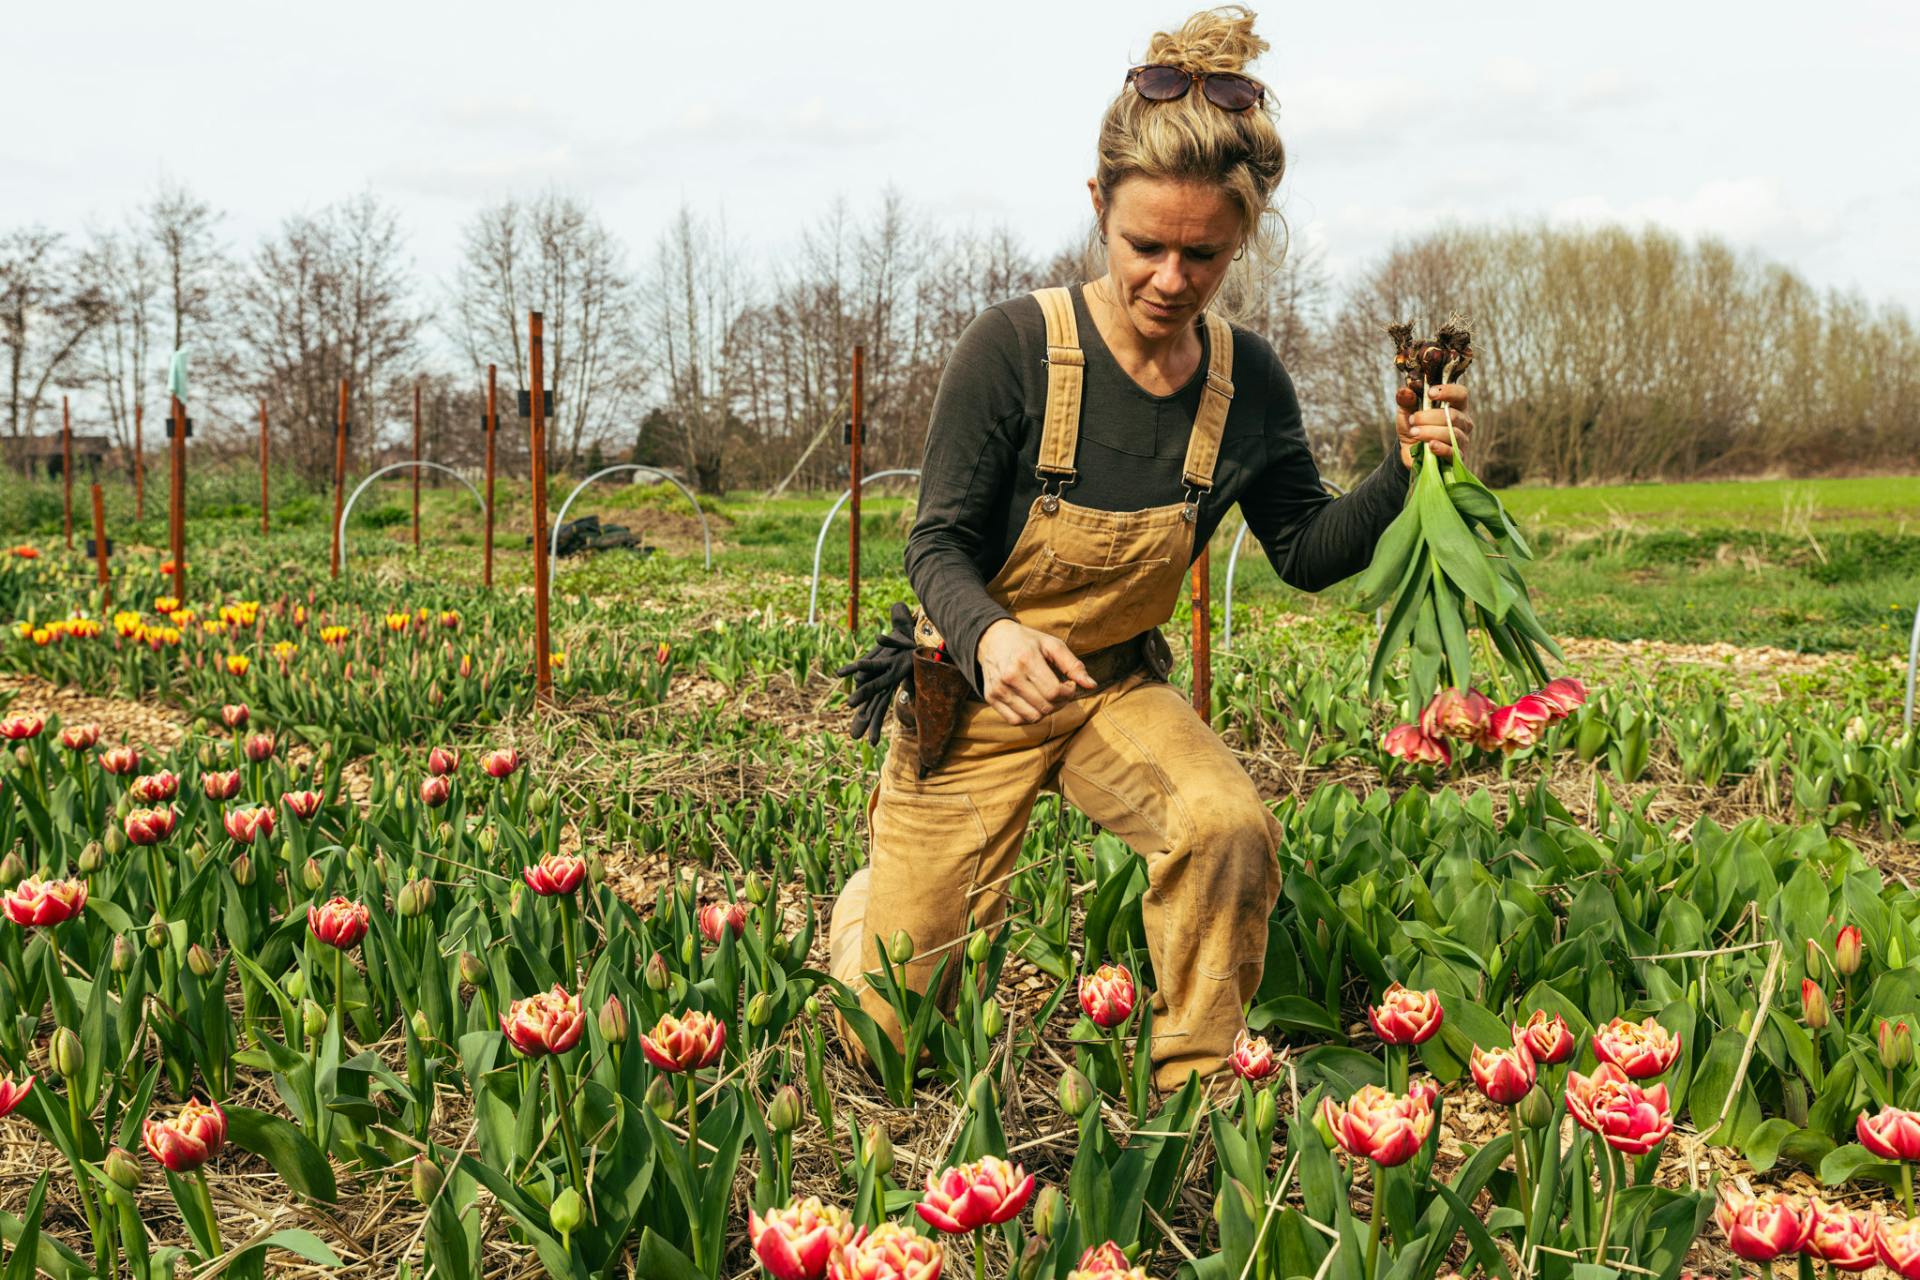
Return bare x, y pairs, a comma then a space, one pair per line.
1219, 39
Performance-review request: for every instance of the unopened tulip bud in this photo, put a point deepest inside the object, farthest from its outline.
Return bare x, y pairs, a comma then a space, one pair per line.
1076, 1092
123, 954
613, 1021
1534, 1110
780, 948
66, 1053
13, 869
1047, 1208
1816, 959
115, 841
24, 755
444, 832
415, 898
425, 1178
1848, 951
1368, 894
485, 840
755, 889
1265, 1113
689, 949
812, 1006
473, 971
122, 1169
982, 1096
759, 1010
1323, 1127
1895, 1042
241, 868
876, 1149
422, 1029
1028, 1268
157, 932
900, 947
312, 876
294, 984
992, 1018
656, 975
568, 1212
661, 1097
1896, 951
313, 1018
1813, 1005
596, 869
200, 960
539, 802
783, 1113
979, 947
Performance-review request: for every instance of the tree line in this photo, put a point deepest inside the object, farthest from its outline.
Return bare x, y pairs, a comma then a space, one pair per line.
1605, 354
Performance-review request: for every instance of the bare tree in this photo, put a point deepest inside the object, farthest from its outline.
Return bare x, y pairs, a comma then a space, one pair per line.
555, 256
184, 230
125, 268
695, 321
46, 313
326, 298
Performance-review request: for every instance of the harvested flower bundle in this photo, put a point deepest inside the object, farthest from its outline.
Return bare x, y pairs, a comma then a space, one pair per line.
1450, 566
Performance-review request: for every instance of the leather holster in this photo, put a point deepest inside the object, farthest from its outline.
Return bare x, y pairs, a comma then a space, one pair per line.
940, 691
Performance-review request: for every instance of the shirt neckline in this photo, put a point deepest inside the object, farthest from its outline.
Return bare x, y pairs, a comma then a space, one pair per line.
1094, 342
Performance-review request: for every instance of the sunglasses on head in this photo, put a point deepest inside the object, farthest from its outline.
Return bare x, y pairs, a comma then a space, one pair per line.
1159, 82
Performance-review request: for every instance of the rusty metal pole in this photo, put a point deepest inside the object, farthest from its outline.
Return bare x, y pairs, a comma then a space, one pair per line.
537, 442
100, 545
853, 481
416, 470
263, 466
493, 418
66, 468
1202, 601
139, 465
177, 493
339, 474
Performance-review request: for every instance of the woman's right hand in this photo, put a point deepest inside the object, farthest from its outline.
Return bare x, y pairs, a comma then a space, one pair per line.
1027, 674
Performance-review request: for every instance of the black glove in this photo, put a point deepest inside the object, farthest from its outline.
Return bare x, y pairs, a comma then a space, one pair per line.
877, 673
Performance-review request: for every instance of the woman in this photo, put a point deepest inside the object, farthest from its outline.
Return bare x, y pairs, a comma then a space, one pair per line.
1084, 445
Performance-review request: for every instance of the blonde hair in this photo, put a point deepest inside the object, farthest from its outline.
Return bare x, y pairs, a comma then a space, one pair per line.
1190, 139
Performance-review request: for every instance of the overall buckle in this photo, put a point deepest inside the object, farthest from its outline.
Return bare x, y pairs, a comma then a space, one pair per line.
1050, 498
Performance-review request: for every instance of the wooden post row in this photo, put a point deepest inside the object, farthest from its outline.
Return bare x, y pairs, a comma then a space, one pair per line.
263, 466
66, 469
100, 546
177, 498
853, 480
493, 417
1202, 601
537, 441
139, 465
339, 474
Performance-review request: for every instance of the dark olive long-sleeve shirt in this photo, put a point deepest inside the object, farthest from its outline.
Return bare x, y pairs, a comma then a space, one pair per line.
977, 481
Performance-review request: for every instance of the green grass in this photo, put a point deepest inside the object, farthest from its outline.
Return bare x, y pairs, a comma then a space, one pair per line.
1884, 501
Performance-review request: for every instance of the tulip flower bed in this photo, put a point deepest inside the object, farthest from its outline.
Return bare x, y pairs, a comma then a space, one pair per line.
452, 990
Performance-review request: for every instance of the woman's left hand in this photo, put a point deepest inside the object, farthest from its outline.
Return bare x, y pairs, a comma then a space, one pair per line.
1429, 426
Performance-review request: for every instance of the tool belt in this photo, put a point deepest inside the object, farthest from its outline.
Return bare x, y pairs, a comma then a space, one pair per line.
931, 708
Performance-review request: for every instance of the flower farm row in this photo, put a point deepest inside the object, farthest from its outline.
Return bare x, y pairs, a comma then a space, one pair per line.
357, 937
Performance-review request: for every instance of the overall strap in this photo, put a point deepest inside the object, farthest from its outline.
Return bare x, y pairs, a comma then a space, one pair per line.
1203, 446
1066, 367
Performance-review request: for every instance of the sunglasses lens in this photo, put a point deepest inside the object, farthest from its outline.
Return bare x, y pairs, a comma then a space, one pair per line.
1231, 92
1161, 84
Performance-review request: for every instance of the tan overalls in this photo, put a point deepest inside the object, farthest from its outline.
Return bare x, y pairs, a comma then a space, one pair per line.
1132, 755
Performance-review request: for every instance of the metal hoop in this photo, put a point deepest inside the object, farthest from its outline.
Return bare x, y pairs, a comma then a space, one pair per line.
1233, 560
553, 545
813, 594
1913, 662
340, 534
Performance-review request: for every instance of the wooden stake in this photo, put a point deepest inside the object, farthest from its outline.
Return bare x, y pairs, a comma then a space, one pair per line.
339, 473
493, 417
853, 480
66, 467
537, 441
177, 499
139, 465
263, 466
100, 545
416, 470
1202, 600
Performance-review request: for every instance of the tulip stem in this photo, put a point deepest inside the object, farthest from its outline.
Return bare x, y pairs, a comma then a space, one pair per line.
563, 1100
1520, 1174
1612, 1177
979, 1254
566, 935
1906, 1184
1373, 1231
340, 991
94, 1224
693, 1122
206, 1208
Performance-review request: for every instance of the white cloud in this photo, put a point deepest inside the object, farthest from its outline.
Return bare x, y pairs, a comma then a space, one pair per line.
1750, 210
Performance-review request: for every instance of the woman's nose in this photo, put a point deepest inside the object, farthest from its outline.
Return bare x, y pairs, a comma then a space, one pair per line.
1171, 279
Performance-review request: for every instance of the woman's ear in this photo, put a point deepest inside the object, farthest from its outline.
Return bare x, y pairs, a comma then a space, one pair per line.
1099, 205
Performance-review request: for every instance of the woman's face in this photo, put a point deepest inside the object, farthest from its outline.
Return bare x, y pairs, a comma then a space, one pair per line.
1168, 247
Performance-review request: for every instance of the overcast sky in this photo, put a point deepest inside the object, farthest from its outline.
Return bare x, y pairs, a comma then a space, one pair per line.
1785, 128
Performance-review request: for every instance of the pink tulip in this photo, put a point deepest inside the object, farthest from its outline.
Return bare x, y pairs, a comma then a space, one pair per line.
1549, 1040
554, 875
1107, 995
985, 1193
44, 903
1894, 1134
718, 918
1842, 1238
550, 1022
187, 1141
1456, 713
1252, 1057
795, 1242
1761, 1228
221, 786
686, 1043
1504, 1075
1564, 696
891, 1252
1628, 1118
1408, 743
1383, 1127
339, 922
1641, 1049
1406, 1017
